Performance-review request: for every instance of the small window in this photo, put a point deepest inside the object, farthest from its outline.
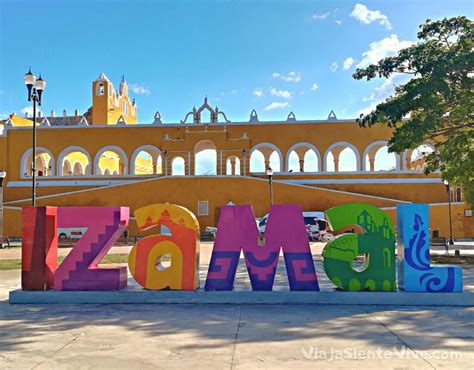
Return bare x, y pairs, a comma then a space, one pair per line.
125, 107
100, 89
203, 208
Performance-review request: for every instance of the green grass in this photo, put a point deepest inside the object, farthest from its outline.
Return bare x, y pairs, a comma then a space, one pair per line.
110, 258
123, 258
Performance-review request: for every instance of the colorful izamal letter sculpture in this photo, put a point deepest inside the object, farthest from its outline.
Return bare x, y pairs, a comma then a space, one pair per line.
414, 271
181, 245
79, 270
376, 245
237, 231
178, 238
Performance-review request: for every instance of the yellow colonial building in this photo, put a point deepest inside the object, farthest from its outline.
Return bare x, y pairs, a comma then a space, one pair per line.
104, 158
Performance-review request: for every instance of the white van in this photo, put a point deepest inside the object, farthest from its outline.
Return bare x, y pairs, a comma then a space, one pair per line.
312, 226
71, 232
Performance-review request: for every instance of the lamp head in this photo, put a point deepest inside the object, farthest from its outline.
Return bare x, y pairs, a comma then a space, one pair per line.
40, 84
29, 79
269, 171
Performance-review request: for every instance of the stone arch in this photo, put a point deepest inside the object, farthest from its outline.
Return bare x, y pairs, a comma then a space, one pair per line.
77, 169
155, 154
211, 149
232, 165
25, 163
66, 169
254, 153
267, 149
41, 164
178, 161
342, 145
372, 149
305, 147
69, 150
123, 159
293, 163
416, 158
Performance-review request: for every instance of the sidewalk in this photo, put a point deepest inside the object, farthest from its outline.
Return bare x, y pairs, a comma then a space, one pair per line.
148, 336
232, 337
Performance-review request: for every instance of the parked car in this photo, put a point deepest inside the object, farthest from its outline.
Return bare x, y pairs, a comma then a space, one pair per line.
315, 223
4, 242
71, 232
209, 234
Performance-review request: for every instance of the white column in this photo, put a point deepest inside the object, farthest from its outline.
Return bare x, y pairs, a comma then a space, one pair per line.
220, 172
189, 164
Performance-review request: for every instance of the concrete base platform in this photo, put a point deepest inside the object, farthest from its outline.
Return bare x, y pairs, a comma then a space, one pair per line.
133, 296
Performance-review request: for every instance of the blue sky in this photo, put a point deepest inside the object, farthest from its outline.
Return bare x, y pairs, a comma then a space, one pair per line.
275, 56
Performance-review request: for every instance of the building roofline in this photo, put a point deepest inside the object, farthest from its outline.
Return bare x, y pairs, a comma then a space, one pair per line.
148, 125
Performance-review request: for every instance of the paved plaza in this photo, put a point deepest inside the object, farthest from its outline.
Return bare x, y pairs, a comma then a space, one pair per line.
233, 336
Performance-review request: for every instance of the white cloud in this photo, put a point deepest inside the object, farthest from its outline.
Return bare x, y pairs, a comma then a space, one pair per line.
386, 47
231, 92
347, 63
276, 105
290, 77
139, 89
285, 94
387, 88
383, 91
314, 87
258, 93
369, 109
338, 22
29, 110
334, 67
366, 16
320, 16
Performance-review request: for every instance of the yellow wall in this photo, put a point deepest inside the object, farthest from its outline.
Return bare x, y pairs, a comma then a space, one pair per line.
220, 191
463, 227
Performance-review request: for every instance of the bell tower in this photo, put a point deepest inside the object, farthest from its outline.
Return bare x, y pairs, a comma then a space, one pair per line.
110, 107
102, 99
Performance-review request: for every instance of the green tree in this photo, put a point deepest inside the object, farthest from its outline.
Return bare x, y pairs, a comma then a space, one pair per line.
436, 105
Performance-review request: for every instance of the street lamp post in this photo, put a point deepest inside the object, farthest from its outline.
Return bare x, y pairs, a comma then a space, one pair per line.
270, 174
448, 190
35, 90
3, 174
165, 153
